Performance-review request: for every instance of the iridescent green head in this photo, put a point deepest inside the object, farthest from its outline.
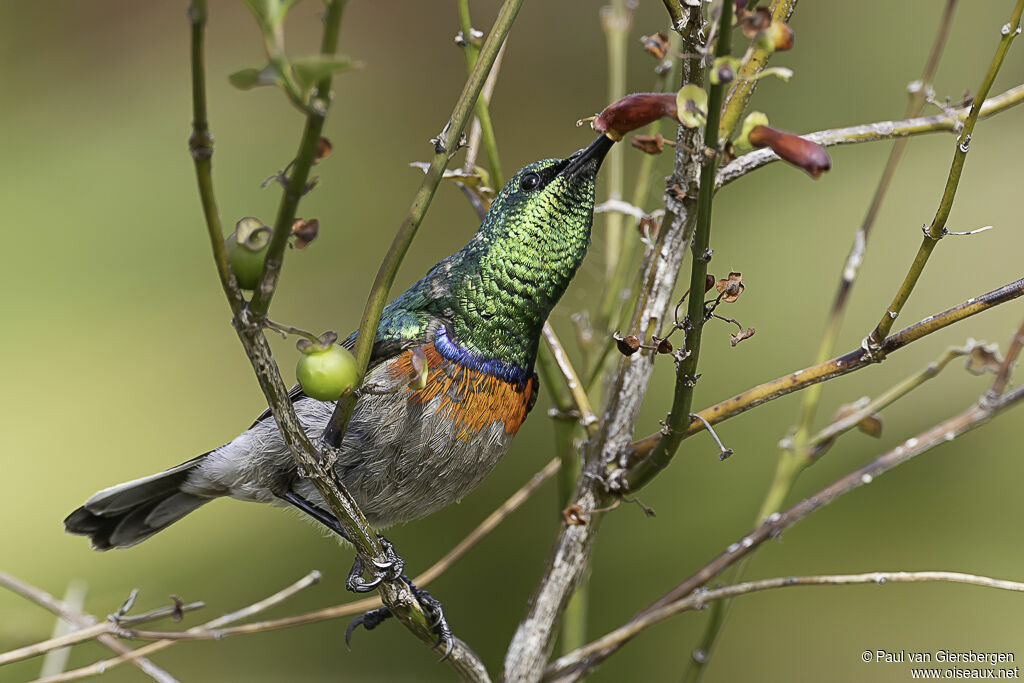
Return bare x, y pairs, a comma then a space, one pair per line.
525, 254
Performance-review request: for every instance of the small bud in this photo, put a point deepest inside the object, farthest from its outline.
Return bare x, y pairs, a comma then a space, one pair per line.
323, 150
656, 45
871, 425
632, 112
724, 70
709, 282
628, 345
305, 231
665, 346
648, 144
691, 106
796, 150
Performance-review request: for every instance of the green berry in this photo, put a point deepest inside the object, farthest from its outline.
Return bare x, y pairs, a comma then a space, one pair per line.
325, 374
247, 251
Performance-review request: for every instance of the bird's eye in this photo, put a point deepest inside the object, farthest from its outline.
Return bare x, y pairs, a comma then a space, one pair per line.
530, 181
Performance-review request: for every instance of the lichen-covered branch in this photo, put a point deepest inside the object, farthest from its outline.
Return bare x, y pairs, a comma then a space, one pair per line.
534, 637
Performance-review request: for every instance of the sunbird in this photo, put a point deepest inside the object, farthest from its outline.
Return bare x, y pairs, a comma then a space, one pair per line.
408, 451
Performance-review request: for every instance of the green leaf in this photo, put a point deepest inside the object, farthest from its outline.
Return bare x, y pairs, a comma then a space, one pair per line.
245, 79
310, 70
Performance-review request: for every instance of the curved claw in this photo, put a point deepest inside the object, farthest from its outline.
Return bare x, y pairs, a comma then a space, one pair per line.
357, 585
352, 626
449, 646
369, 620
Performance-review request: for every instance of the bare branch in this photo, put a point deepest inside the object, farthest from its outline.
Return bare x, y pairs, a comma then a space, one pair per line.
572, 381
775, 524
841, 365
564, 668
48, 602
105, 665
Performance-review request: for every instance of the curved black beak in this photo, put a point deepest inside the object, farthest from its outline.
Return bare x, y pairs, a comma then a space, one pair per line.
596, 151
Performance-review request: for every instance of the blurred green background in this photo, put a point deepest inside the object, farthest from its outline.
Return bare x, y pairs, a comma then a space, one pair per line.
118, 359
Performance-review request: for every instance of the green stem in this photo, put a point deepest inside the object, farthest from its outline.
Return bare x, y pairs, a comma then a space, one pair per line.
743, 86
616, 21
201, 148
295, 188
937, 229
445, 148
686, 373
483, 113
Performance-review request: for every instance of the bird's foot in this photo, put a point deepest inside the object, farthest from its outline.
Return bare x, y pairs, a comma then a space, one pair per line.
431, 608
388, 570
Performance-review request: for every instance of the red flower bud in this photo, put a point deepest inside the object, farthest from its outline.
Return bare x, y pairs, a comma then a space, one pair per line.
634, 111
798, 151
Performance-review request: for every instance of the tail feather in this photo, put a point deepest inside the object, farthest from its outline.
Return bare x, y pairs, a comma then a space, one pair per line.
129, 513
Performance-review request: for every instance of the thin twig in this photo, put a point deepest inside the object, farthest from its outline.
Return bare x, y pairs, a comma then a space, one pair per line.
48, 602
572, 381
616, 20
818, 443
870, 132
56, 661
576, 665
841, 365
105, 665
563, 668
91, 632
1013, 351
937, 229
476, 131
483, 114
